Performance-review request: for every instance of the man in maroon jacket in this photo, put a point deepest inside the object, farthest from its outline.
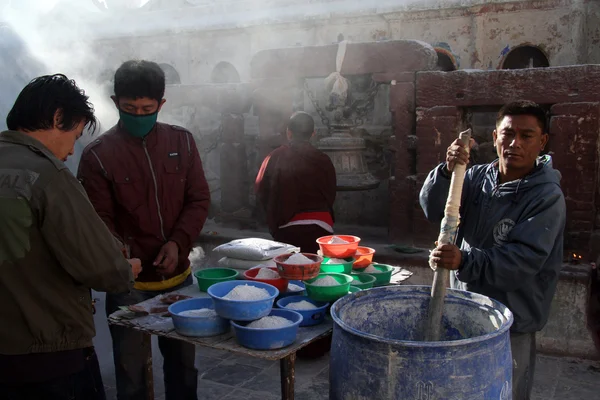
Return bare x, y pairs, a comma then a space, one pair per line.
296, 185
145, 180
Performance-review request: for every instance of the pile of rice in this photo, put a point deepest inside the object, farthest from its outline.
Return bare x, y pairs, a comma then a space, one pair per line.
301, 305
247, 293
336, 261
337, 240
299, 259
202, 312
294, 288
267, 273
326, 281
372, 270
269, 322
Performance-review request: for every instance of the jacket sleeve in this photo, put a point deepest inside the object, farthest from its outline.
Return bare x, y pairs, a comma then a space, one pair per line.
197, 201
93, 177
262, 183
79, 239
509, 267
434, 193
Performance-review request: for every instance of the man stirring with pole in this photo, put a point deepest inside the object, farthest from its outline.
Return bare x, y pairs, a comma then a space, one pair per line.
512, 220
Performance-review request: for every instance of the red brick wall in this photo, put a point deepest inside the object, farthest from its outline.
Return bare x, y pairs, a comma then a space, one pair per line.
441, 99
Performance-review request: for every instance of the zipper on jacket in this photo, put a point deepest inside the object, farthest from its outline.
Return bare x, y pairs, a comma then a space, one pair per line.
160, 219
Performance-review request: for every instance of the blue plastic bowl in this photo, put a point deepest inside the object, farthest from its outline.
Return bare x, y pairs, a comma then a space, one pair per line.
298, 293
197, 326
268, 339
240, 310
309, 317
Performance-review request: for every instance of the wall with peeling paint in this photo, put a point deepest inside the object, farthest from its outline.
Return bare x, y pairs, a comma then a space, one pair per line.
474, 31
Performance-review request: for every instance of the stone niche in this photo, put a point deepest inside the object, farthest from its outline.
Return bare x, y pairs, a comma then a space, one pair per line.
283, 78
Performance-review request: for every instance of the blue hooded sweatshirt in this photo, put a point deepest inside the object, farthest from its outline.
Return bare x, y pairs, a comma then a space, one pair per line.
511, 236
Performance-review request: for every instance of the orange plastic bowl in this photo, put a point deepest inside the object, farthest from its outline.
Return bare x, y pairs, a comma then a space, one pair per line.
364, 257
298, 272
280, 283
343, 250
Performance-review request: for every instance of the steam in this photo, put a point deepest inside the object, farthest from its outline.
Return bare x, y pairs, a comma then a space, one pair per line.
42, 37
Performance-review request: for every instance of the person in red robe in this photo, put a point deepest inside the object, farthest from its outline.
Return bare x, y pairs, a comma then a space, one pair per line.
296, 185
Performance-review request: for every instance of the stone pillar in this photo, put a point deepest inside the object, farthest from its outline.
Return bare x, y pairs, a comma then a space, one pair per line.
234, 181
402, 184
273, 105
574, 130
437, 128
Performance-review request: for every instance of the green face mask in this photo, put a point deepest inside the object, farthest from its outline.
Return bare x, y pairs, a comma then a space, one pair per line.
138, 125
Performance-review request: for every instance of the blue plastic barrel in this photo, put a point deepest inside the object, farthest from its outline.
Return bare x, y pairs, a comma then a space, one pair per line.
378, 352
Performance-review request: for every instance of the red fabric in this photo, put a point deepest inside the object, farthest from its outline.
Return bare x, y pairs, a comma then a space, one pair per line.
122, 189
295, 179
303, 236
319, 216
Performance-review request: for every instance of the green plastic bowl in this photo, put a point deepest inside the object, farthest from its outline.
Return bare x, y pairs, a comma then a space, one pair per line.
208, 277
363, 281
354, 289
345, 268
382, 278
328, 293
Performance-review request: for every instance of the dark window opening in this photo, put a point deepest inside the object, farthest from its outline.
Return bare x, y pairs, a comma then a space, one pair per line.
224, 72
525, 57
171, 74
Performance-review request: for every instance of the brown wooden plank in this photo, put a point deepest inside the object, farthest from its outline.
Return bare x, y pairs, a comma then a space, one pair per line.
287, 373
148, 372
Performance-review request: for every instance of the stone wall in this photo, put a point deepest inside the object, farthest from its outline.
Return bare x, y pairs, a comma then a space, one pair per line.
477, 34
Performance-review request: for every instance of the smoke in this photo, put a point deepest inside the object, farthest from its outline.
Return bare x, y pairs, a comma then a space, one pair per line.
40, 37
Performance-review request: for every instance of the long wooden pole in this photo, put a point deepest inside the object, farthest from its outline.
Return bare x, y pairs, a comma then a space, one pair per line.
448, 229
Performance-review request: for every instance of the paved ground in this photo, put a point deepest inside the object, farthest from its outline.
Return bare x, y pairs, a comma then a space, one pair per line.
226, 376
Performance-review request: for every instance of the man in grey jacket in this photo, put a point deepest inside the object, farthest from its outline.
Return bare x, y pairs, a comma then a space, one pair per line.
511, 234
54, 248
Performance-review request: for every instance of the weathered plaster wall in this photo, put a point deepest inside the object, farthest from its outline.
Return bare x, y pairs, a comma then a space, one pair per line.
477, 33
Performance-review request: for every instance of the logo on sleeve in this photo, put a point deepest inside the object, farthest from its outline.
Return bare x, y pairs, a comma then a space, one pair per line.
173, 154
502, 230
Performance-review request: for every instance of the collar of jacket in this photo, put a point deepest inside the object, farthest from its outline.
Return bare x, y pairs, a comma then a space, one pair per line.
20, 138
151, 138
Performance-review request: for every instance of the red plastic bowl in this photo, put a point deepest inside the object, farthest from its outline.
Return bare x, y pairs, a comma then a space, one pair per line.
364, 257
298, 272
342, 250
280, 283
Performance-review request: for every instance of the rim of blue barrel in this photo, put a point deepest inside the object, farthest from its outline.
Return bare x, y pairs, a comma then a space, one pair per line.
414, 343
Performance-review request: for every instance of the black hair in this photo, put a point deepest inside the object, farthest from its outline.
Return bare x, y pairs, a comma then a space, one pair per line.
139, 78
524, 107
301, 125
39, 101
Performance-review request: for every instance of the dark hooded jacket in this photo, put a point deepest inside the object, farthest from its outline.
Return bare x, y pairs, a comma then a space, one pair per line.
511, 236
293, 179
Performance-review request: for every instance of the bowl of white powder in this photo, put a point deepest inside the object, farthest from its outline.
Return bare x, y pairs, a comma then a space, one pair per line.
299, 266
341, 265
197, 318
276, 330
381, 272
243, 300
313, 312
338, 246
328, 286
268, 275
